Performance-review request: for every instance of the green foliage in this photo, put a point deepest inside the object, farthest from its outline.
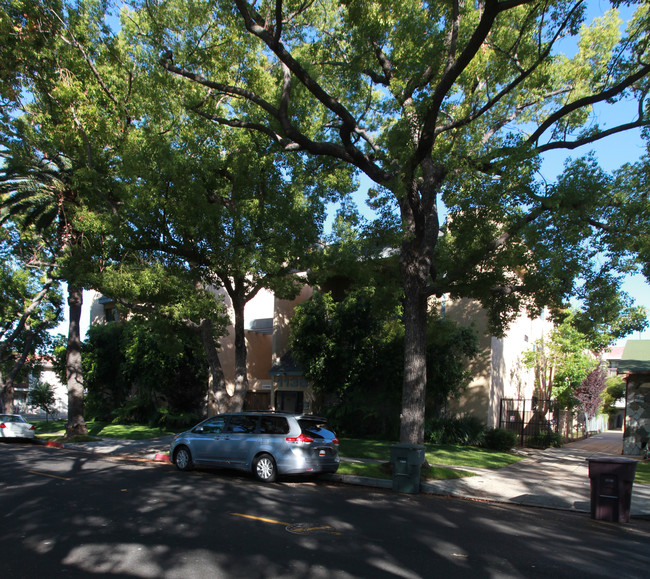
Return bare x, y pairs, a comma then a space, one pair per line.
500, 439
42, 396
546, 440
30, 302
140, 371
561, 362
614, 391
435, 102
352, 352
211, 149
174, 420
450, 348
466, 430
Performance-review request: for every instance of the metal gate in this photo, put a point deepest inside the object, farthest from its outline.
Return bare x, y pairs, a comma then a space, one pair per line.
529, 418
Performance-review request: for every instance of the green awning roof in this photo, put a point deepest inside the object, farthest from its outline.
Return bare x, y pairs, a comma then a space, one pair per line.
636, 357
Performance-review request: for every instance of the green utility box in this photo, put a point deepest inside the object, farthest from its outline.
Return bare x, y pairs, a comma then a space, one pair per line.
406, 460
611, 488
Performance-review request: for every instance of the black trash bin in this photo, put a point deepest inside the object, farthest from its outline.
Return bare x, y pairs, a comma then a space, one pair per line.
406, 460
611, 488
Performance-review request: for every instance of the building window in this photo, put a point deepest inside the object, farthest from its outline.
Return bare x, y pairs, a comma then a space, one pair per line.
110, 314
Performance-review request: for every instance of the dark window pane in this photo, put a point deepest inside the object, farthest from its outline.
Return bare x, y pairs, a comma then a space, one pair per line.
316, 429
274, 425
242, 424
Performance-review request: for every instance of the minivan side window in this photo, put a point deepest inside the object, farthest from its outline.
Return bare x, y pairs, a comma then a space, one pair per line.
274, 425
214, 425
242, 424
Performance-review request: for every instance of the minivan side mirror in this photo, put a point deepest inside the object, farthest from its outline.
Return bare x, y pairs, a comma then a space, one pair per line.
198, 429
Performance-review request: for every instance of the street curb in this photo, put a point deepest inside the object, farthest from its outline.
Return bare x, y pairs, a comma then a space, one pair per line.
365, 481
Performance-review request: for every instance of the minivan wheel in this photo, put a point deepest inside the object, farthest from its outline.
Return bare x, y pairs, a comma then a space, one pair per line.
183, 458
264, 468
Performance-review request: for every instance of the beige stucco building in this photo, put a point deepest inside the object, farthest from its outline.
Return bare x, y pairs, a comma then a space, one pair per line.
498, 370
276, 382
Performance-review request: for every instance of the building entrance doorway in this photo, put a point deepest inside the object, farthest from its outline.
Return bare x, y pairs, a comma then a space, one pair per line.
289, 401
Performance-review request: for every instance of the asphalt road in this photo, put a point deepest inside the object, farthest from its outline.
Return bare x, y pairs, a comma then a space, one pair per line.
70, 514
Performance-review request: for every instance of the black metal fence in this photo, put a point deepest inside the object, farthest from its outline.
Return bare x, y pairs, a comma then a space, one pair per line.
532, 418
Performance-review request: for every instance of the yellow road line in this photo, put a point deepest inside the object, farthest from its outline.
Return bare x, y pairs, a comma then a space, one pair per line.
50, 475
264, 520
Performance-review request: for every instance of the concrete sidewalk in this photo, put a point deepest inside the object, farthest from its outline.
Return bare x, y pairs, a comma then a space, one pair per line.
556, 478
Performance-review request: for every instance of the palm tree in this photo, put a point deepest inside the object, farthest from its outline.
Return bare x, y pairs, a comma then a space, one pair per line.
36, 189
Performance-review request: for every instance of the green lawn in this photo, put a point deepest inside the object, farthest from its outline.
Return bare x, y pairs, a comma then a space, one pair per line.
436, 456
642, 473
382, 470
445, 454
55, 429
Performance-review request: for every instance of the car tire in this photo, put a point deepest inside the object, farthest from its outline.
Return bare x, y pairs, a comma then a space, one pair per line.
183, 458
264, 468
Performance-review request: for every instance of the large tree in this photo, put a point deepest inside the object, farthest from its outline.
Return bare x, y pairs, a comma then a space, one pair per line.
30, 305
220, 212
61, 125
450, 102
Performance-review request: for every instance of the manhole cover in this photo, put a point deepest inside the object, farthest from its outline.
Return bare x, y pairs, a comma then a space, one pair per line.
312, 529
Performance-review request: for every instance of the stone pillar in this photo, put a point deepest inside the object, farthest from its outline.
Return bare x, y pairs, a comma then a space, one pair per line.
637, 416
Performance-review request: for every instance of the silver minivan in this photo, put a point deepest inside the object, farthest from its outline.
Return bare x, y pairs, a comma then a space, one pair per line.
266, 443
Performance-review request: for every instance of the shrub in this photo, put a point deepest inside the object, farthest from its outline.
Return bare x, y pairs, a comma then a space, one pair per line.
466, 431
500, 439
135, 410
42, 396
168, 419
546, 440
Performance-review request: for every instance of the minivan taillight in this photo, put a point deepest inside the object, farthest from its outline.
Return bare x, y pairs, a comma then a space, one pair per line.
335, 441
301, 438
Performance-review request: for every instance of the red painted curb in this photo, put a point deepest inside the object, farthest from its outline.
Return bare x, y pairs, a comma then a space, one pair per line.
162, 457
53, 444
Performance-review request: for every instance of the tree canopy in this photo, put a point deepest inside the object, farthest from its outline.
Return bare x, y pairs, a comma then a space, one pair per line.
436, 102
223, 106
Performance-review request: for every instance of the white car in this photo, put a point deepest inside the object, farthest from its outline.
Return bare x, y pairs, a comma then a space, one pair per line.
15, 426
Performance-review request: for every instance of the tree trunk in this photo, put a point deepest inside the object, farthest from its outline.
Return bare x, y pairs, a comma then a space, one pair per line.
8, 384
7, 395
420, 223
415, 363
76, 423
241, 376
218, 399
